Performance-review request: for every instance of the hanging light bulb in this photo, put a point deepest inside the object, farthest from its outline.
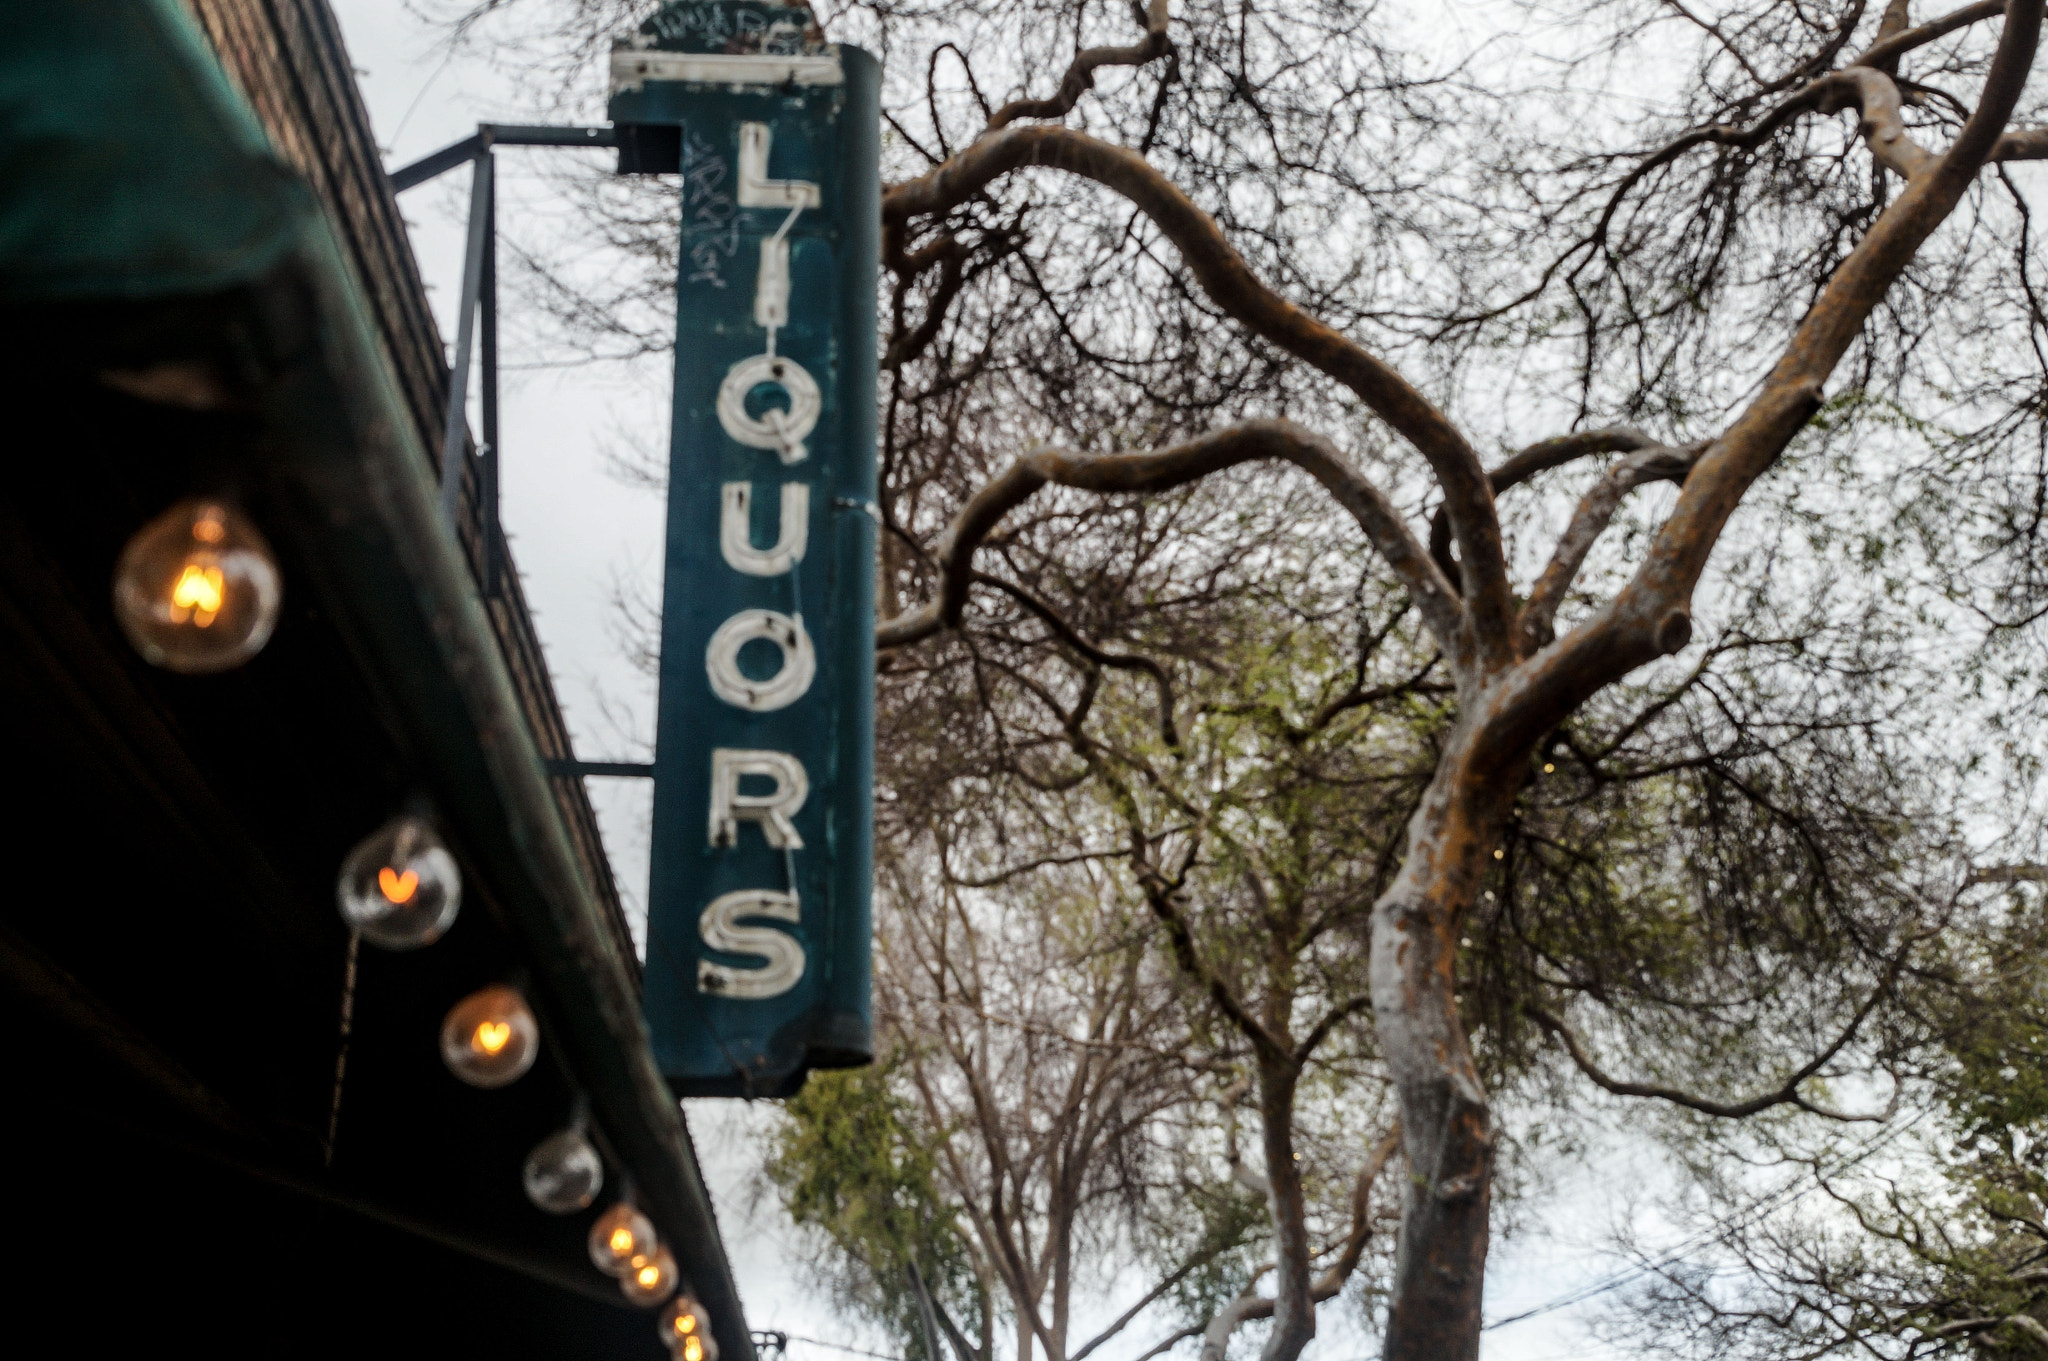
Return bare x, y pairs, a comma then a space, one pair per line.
650, 1279
563, 1174
197, 589
490, 1037
620, 1235
686, 1332
400, 886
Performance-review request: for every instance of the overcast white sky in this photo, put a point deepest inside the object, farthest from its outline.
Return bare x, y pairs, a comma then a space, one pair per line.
576, 532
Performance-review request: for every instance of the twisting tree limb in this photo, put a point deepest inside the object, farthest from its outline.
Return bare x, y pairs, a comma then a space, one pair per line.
1651, 615
1876, 97
1537, 458
1898, 17
2010, 874
1656, 464
1869, 90
1509, 698
1227, 1320
1864, 85
1252, 441
2022, 144
2030, 1326
1080, 76
1231, 285
1889, 47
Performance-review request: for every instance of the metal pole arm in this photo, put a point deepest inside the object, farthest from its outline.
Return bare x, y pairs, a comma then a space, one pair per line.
497, 134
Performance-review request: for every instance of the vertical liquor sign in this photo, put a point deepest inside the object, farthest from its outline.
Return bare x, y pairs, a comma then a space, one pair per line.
758, 925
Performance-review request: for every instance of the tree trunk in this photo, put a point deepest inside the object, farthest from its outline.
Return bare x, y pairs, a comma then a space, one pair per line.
1447, 1128
1294, 1312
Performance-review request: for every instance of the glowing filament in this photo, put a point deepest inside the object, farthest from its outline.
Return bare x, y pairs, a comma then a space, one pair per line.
622, 1240
492, 1036
686, 1323
649, 1276
397, 888
693, 1350
197, 595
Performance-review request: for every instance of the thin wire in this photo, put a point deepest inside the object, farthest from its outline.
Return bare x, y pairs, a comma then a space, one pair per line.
1756, 1209
347, 1029
842, 1347
413, 107
780, 233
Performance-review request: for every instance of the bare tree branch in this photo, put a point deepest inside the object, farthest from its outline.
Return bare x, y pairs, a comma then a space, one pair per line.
1254, 440
1167, 1344
1786, 1094
1537, 458
1891, 46
1146, 1302
1163, 896
1072, 638
1250, 1305
1229, 282
1080, 76
1331, 1019
1650, 617
1589, 521
1331, 1282
2029, 1325
2010, 874
2022, 144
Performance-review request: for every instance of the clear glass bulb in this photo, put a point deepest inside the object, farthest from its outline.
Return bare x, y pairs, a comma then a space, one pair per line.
686, 1332
490, 1037
400, 886
563, 1174
620, 1235
197, 589
650, 1279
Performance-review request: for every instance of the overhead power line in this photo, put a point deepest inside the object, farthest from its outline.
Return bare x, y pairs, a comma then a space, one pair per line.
842, 1347
1756, 1210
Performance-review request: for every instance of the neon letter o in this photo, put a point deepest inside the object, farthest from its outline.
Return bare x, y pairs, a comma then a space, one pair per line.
786, 686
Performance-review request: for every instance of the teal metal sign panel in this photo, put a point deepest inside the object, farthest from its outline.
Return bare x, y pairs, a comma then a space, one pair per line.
758, 921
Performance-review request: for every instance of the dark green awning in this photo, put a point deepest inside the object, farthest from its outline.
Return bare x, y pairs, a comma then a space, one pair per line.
128, 167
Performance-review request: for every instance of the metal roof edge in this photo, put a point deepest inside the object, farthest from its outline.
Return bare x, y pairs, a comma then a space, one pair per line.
399, 587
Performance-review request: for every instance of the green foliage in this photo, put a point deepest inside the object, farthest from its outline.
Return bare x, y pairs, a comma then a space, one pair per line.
1234, 1234
1996, 1094
1998, 1089
852, 1165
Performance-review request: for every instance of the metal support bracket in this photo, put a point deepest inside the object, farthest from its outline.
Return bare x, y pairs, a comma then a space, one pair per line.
578, 769
478, 329
497, 134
